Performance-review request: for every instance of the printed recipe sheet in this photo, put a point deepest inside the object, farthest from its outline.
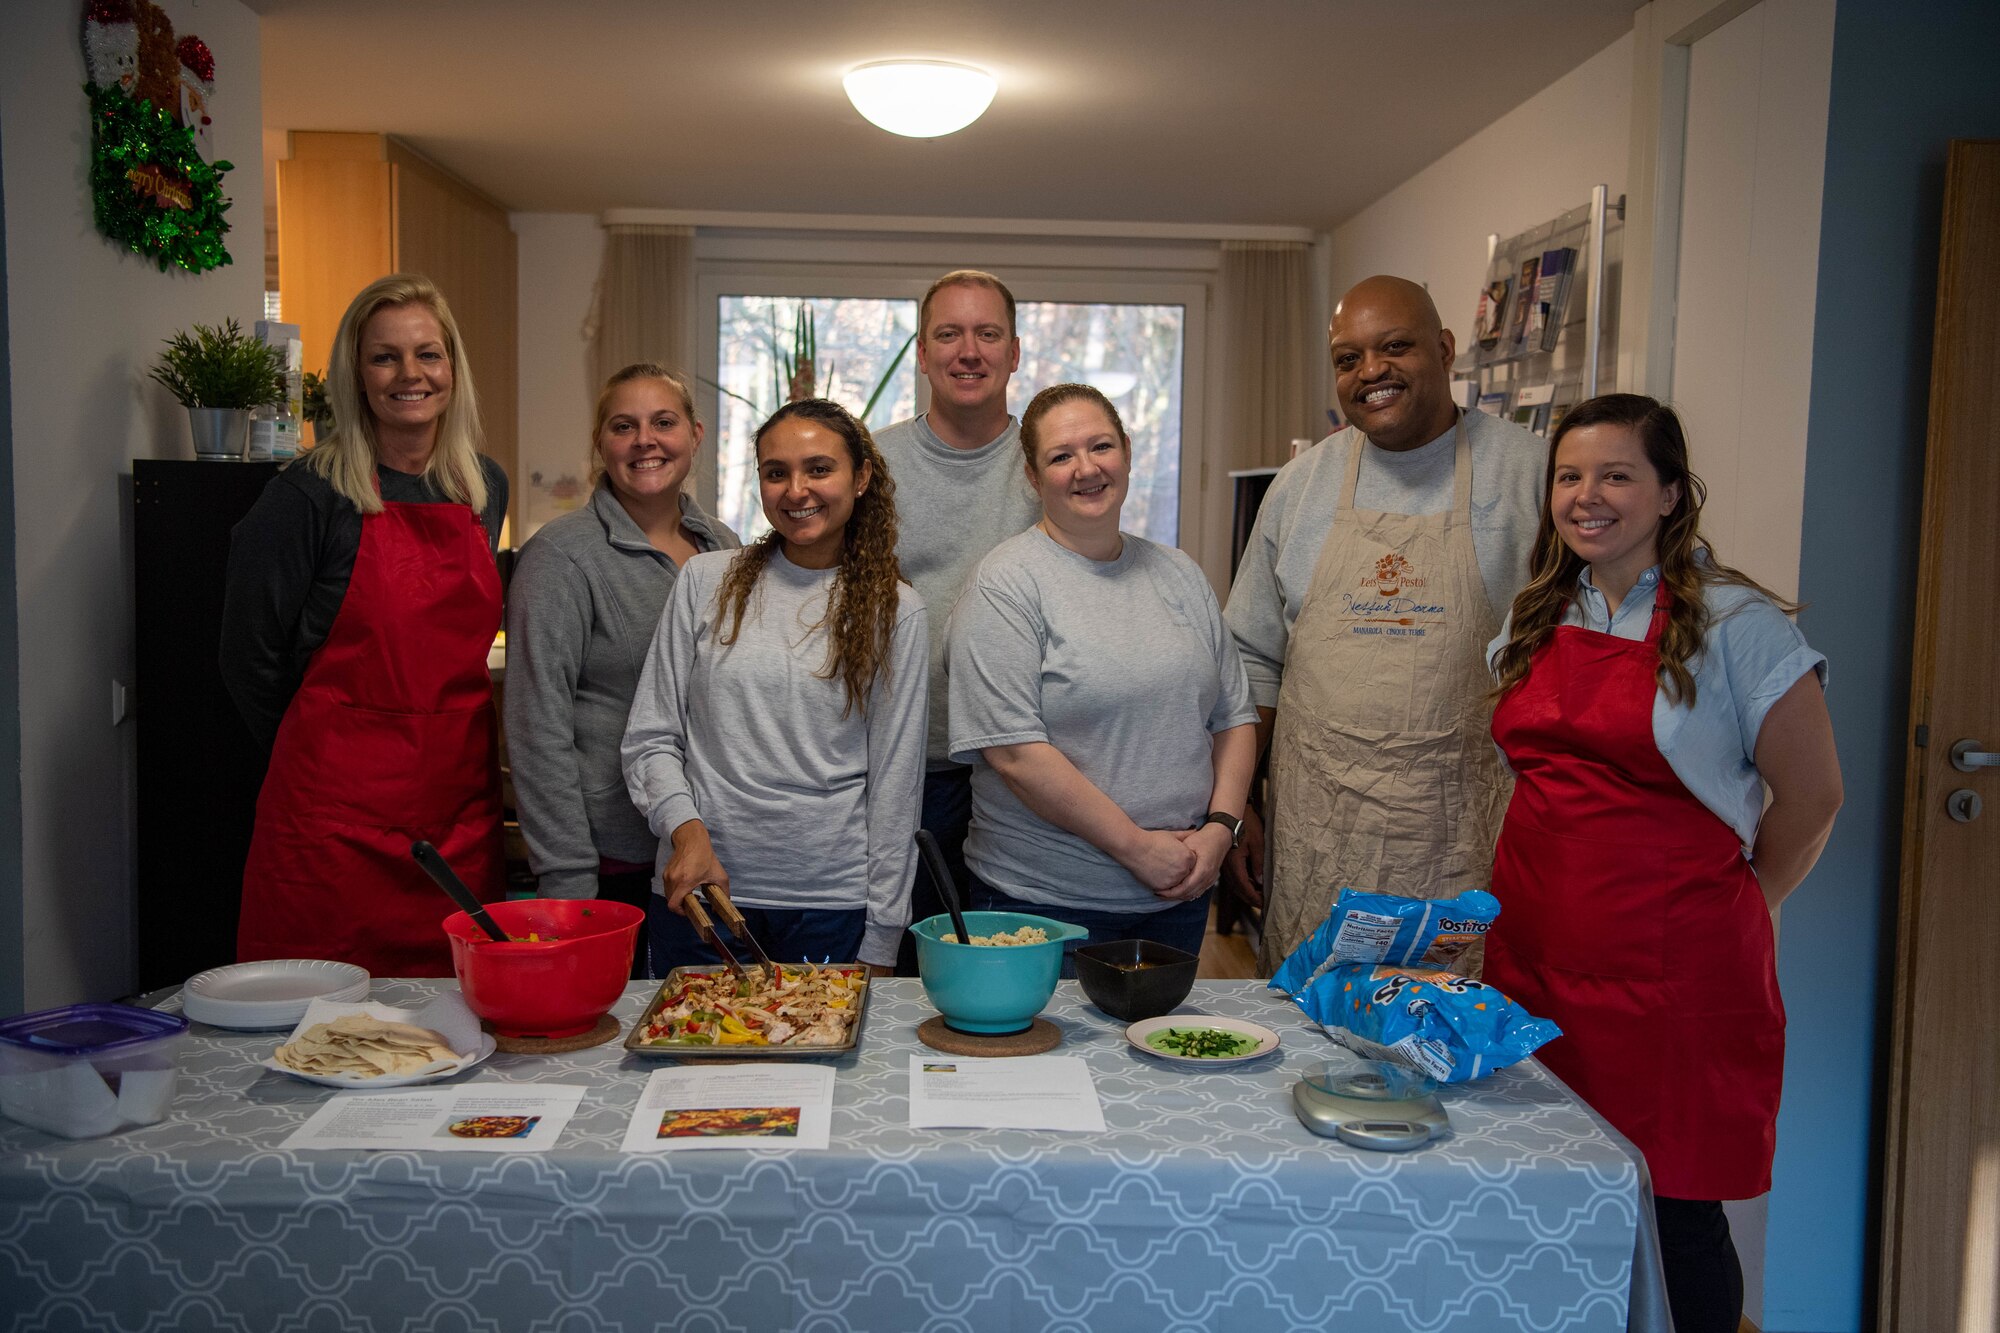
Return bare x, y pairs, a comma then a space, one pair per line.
758, 1107
1026, 1092
479, 1117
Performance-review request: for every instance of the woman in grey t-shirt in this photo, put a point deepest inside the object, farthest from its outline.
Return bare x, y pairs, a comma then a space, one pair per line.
1100, 700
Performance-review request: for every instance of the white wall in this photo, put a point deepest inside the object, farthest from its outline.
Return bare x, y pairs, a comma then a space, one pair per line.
1749, 274
558, 256
1536, 161
85, 320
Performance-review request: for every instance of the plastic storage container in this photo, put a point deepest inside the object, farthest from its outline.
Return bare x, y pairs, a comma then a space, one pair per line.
89, 1069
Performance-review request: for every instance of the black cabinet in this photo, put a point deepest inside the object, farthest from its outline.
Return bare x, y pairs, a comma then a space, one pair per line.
1247, 489
198, 768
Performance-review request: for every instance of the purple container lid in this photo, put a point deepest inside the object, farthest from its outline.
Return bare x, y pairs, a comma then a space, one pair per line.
89, 1029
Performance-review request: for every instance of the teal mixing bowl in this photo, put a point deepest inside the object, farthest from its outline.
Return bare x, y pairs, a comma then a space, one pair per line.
990, 989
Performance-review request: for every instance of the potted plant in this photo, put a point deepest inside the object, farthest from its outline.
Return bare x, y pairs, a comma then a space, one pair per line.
315, 406
218, 375
794, 374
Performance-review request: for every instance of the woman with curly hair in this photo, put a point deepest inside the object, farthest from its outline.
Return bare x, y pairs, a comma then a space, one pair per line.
1100, 701
776, 742
1649, 695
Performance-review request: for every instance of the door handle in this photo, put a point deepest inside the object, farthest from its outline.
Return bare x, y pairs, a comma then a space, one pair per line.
1966, 756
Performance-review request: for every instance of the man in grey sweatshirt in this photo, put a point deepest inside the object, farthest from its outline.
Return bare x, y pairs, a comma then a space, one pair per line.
961, 490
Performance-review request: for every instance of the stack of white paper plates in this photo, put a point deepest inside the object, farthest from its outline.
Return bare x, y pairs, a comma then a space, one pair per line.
271, 994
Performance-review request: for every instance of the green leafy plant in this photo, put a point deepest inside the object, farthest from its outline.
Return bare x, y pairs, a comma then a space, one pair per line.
794, 374
223, 367
313, 403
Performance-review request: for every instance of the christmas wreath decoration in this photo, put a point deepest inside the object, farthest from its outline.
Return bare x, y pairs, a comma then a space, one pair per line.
151, 188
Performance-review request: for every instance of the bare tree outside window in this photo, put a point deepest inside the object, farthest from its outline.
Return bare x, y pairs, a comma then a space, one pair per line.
855, 341
1134, 354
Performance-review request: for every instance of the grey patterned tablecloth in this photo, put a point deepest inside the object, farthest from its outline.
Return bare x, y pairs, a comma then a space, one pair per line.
1206, 1205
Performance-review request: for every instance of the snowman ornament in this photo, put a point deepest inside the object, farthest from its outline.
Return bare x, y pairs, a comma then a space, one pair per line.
111, 44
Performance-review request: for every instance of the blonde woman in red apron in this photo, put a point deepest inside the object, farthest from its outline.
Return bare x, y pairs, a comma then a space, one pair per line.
362, 601
1649, 695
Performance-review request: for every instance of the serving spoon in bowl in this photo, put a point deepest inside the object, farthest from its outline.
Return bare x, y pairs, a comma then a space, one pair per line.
941, 876
447, 879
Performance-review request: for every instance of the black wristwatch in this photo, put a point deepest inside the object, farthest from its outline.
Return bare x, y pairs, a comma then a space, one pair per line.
1228, 821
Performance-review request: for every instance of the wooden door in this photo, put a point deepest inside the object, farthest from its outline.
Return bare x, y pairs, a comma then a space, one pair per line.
1941, 1194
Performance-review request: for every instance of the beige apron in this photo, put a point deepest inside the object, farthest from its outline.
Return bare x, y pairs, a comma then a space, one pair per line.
1383, 771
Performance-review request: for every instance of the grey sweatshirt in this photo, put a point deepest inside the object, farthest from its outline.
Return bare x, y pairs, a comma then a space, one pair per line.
806, 808
953, 506
581, 610
1509, 469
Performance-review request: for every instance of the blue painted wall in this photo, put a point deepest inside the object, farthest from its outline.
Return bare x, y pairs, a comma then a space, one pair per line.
1907, 79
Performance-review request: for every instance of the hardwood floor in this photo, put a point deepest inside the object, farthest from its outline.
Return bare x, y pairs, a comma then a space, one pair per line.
1226, 957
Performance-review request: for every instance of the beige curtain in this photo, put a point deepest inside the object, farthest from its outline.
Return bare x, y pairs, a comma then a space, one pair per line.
645, 300
1267, 326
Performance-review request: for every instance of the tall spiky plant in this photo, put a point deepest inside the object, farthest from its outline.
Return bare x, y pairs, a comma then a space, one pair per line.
794, 375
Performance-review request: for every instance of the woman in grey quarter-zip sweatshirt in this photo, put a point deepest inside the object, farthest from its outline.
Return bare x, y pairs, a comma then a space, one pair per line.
581, 610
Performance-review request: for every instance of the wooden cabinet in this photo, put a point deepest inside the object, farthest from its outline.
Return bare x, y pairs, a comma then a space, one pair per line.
354, 207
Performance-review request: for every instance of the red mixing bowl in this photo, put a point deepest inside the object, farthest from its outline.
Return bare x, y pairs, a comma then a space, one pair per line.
559, 987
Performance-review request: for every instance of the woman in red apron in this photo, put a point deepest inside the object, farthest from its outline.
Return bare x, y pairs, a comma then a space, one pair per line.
363, 598
1649, 695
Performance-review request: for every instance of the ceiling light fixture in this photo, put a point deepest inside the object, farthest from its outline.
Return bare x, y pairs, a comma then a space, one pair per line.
920, 99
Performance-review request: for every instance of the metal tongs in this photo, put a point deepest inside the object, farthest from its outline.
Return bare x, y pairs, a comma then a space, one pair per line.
718, 900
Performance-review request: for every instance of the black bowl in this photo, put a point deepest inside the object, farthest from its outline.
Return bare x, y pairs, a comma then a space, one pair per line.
1135, 979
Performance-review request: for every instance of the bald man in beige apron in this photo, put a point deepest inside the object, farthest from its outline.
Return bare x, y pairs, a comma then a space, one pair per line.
1383, 774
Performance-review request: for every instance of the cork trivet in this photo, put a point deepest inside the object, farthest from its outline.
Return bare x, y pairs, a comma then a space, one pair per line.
606, 1029
1041, 1035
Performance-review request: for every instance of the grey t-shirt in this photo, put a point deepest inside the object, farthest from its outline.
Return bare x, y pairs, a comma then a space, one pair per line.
952, 507
805, 807
1122, 665
1509, 469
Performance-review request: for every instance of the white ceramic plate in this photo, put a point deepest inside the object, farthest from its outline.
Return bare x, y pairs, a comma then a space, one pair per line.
270, 994
486, 1047
1267, 1040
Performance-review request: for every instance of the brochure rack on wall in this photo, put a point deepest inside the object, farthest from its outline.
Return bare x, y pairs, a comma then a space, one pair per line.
1544, 337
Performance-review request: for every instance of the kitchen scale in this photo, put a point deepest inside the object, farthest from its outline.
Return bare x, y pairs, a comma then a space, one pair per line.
1373, 1106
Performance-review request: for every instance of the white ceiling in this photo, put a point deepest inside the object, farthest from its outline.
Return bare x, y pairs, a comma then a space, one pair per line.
1296, 112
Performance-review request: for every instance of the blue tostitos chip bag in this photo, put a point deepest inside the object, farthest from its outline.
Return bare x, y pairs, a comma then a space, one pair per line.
1445, 1025
1388, 928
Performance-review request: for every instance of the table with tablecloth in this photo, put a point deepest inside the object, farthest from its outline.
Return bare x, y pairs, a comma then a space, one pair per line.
1205, 1204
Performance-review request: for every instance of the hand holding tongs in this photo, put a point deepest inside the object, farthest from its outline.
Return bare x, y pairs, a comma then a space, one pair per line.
718, 898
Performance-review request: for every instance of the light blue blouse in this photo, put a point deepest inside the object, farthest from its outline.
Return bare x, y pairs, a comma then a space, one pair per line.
1752, 655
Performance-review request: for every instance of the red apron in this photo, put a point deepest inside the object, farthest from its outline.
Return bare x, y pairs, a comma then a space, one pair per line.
390, 738
1630, 917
